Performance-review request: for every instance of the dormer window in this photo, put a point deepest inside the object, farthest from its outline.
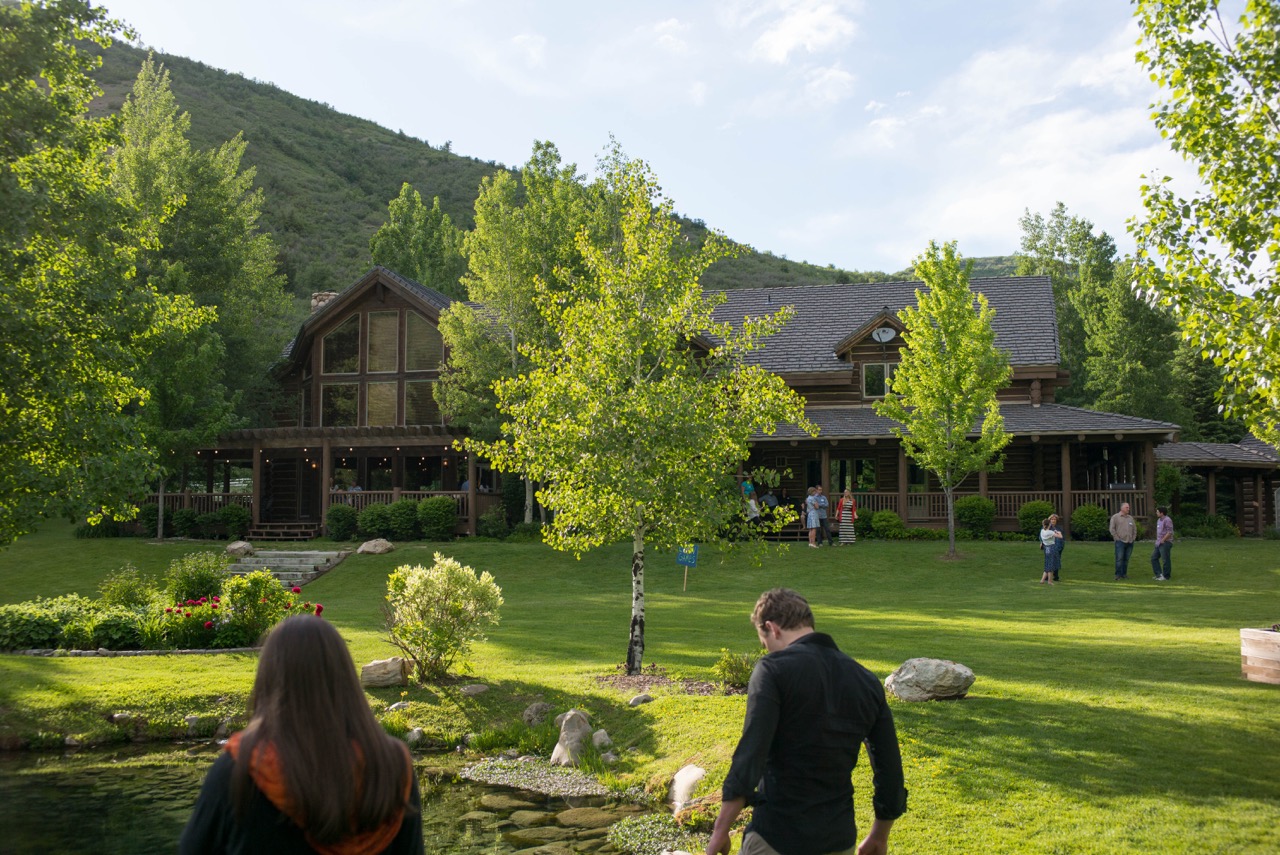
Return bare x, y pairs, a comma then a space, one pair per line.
876, 377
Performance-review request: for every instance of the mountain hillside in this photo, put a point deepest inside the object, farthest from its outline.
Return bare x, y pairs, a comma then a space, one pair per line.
327, 177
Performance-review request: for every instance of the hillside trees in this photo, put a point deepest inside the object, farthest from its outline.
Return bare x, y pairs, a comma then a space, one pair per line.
946, 382
1211, 256
634, 410
75, 324
207, 243
420, 243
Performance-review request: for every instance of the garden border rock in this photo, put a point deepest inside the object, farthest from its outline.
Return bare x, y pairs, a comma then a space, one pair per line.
56, 653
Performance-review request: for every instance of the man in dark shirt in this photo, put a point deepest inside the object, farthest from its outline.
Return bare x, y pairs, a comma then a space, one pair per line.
809, 708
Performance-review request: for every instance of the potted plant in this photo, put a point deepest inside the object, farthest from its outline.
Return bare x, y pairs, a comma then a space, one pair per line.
1260, 654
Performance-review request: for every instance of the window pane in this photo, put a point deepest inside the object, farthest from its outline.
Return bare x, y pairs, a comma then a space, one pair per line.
381, 404
420, 404
304, 418
342, 348
384, 341
424, 347
338, 404
873, 380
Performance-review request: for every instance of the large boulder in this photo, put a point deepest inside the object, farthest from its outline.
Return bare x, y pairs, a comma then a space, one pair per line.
385, 672
536, 713
240, 548
378, 546
575, 732
929, 680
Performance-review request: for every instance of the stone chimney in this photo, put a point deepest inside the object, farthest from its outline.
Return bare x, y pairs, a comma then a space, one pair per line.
319, 298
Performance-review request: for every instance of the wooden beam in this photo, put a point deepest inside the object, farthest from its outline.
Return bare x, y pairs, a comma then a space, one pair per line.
1065, 513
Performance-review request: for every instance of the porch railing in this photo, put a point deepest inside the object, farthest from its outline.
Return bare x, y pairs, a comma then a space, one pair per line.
202, 502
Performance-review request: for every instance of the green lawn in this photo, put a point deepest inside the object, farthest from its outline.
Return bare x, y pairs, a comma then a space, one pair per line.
1106, 717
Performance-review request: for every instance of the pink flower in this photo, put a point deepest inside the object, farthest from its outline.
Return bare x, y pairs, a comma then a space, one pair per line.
203, 601
191, 602
217, 599
296, 590
208, 624
188, 614
168, 611
214, 606
319, 609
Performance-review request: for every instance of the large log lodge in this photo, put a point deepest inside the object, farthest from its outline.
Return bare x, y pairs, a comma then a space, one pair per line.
364, 426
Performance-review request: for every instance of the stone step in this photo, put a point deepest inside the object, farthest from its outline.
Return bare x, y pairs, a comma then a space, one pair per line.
290, 568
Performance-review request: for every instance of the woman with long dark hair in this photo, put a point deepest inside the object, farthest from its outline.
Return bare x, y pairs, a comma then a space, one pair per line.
313, 771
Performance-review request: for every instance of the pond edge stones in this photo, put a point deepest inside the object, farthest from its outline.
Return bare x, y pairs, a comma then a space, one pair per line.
924, 679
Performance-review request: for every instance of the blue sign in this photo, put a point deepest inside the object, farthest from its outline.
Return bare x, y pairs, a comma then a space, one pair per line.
687, 555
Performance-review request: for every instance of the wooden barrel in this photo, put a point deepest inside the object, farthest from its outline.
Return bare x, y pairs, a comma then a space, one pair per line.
1260, 655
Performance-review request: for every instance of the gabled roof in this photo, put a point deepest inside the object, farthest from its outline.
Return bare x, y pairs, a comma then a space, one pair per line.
886, 317
827, 315
430, 300
1249, 452
860, 421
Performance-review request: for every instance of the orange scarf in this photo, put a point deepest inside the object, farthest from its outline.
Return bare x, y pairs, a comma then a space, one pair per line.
267, 773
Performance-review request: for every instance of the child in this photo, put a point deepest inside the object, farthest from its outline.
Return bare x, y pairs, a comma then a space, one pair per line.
1049, 544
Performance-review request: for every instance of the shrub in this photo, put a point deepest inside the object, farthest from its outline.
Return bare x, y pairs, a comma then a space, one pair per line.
434, 614
199, 574
734, 669
651, 834
977, 514
513, 498
404, 519
127, 588
107, 527
1090, 522
526, 532
375, 521
1032, 515
147, 519
235, 520
888, 525
342, 521
210, 526
255, 602
493, 523
25, 626
1202, 525
115, 629
438, 518
186, 522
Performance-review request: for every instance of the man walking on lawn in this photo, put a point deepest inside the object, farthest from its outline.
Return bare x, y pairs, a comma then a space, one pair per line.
1164, 546
1124, 531
809, 709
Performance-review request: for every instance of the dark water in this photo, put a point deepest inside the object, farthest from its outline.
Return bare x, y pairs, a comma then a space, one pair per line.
131, 800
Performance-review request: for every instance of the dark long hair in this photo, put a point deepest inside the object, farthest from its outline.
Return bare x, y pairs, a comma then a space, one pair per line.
308, 703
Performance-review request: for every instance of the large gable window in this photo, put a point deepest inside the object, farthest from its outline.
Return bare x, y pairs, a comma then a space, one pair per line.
420, 406
384, 341
424, 348
381, 406
342, 348
876, 377
339, 404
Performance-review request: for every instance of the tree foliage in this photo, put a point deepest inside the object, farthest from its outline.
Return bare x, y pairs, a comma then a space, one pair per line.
1211, 255
75, 323
944, 388
638, 406
421, 243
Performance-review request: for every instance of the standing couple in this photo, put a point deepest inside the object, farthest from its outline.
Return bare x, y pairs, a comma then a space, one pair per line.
816, 506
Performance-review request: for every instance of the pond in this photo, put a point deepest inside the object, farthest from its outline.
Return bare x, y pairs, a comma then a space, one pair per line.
133, 799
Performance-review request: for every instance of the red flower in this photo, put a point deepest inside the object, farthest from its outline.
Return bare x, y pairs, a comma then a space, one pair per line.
208, 624
214, 606
216, 599
168, 611
319, 609
191, 602
264, 599
288, 605
203, 601
188, 614
296, 590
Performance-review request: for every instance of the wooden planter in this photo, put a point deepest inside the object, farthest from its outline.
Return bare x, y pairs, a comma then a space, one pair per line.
1260, 655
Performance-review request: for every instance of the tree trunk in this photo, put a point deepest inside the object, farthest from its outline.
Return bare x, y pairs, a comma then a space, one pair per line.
528, 500
635, 645
160, 511
951, 520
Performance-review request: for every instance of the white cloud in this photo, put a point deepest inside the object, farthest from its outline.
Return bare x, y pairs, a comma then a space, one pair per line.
531, 47
669, 35
809, 25
698, 93
874, 106
826, 86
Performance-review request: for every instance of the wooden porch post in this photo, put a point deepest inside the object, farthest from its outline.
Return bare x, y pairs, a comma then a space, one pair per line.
1213, 491
326, 482
1065, 515
226, 476
208, 475
902, 482
825, 476
472, 472
257, 484
1149, 461
982, 483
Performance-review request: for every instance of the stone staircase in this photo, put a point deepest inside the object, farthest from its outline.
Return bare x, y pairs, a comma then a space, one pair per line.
291, 568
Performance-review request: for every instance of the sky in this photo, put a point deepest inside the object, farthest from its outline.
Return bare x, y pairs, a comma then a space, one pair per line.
844, 132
